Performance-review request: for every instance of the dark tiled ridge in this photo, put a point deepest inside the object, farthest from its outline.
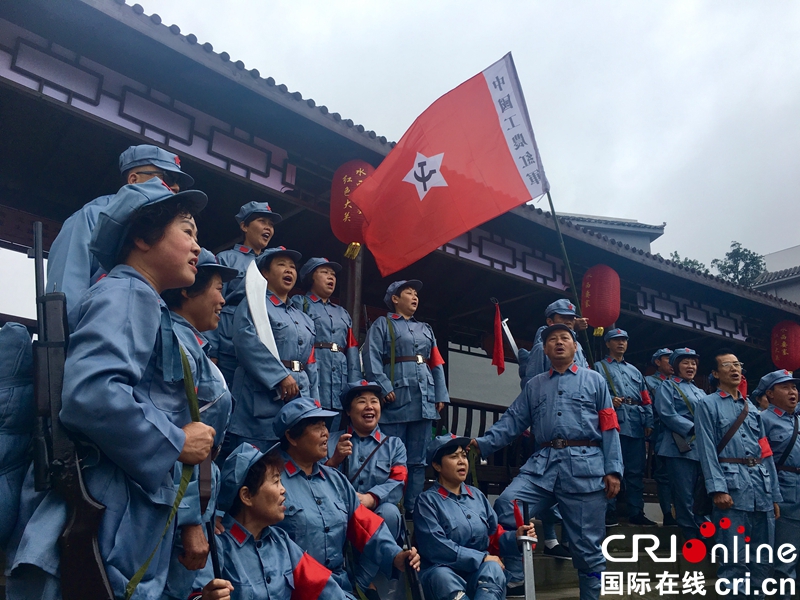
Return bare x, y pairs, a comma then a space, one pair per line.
155, 21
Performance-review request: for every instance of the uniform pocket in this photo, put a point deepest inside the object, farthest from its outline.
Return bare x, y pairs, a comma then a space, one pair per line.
587, 461
731, 472
294, 521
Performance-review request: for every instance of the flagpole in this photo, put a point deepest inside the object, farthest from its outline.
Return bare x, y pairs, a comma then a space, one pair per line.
575, 294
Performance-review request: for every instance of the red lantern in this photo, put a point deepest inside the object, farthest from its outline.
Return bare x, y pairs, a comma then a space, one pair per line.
600, 296
786, 345
346, 218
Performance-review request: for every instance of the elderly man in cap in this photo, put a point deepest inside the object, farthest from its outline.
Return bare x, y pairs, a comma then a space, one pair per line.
534, 362
323, 510
257, 222
264, 381
71, 267
373, 462
781, 426
635, 415
676, 402
335, 346
663, 371
401, 355
739, 473
578, 464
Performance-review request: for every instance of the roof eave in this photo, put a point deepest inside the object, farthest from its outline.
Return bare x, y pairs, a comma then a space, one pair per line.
144, 24
647, 259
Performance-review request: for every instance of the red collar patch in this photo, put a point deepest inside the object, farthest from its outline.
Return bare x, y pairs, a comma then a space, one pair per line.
469, 491
676, 379
314, 298
574, 368
395, 316
778, 411
724, 394
662, 377
551, 371
442, 492
243, 249
609, 359
238, 533
290, 467
376, 434
275, 300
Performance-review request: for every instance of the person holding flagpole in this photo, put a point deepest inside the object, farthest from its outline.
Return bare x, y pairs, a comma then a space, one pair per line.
401, 355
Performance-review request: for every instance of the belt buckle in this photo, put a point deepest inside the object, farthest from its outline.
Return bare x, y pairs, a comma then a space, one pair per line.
751, 461
295, 365
420, 360
559, 443
334, 347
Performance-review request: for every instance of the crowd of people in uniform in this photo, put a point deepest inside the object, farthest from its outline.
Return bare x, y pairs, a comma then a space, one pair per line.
310, 452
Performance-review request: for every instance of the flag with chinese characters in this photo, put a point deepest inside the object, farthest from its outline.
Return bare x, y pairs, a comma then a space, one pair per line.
470, 157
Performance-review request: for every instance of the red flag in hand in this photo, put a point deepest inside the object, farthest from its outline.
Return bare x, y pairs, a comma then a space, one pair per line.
470, 157
498, 353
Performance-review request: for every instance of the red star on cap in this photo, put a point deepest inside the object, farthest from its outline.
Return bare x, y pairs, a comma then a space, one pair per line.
282, 247
317, 404
453, 436
177, 160
364, 382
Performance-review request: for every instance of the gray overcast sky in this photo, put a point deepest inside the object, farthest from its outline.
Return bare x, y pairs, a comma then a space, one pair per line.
684, 112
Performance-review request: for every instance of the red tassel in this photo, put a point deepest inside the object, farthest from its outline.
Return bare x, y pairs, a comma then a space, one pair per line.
498, 353
518, 520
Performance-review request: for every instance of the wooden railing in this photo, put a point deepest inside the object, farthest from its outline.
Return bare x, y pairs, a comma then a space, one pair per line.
472, 419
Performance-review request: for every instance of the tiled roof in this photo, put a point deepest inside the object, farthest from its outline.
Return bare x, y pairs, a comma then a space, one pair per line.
775, 276
303, 104
599, 239
612, 221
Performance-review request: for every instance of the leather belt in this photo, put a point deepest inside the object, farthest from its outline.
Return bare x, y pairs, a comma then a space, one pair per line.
294, 365
750, 461
416, 358
795, 470
560, 443
332, 346
631, 401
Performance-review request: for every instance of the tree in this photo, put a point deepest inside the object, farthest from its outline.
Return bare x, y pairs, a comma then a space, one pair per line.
740, 265
688, 263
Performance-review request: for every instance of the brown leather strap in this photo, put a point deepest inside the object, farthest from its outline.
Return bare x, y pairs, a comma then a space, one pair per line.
366, 460
795, 470
750, 461
416, 358
332, 346
294, 365
734, 428
559, 443
633, 401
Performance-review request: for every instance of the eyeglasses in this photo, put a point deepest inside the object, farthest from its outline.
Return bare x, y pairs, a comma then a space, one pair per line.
167, 177
734, 365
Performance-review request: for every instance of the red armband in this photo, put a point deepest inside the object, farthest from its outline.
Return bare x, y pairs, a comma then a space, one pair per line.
436, 359
352, 342
310, 578
608, 419
646, 398
399, 473
494, 540
766, 449
311, 358
362, 526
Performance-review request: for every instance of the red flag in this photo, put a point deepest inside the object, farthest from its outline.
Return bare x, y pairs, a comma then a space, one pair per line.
470, 157
498, 353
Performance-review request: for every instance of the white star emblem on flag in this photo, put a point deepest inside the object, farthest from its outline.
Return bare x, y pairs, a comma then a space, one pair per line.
426, 174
